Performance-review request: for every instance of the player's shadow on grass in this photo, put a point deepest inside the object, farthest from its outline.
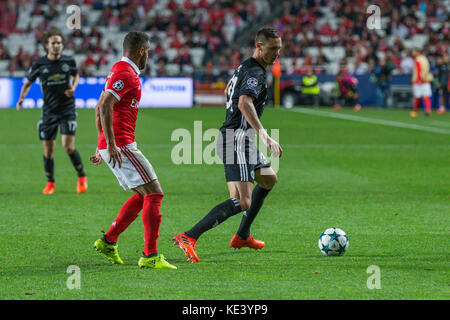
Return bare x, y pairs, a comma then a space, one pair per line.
223, 256
56, 269
352, 256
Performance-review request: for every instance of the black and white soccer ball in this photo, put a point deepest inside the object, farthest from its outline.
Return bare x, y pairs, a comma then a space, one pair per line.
333, 242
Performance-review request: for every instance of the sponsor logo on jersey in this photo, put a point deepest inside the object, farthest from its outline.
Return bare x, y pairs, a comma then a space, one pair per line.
57, 77
118, 85
134, 103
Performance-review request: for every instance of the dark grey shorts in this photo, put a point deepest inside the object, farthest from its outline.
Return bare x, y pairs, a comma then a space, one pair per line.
48, 126
240, 156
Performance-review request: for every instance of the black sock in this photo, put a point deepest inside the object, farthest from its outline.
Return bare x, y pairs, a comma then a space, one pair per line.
152, 255
216, 216
108, 242
77, 164
258, 196
49, 167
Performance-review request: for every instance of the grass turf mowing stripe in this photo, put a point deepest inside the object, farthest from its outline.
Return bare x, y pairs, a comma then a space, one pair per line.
369, 120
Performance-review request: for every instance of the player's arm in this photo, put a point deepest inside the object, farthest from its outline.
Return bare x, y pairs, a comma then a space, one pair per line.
248, 110
105, 110
97, 158
98, 121
72, 85
33, 74
226, 88
23, 93
74, 78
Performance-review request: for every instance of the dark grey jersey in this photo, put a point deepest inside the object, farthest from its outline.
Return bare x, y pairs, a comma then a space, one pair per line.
54, 76
443, 73
248, 79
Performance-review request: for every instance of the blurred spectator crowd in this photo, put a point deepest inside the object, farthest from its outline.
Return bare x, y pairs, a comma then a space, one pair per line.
198, 37
188, 36
333, 35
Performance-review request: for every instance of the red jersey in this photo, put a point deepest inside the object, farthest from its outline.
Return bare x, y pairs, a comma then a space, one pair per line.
123, 82
418, 71
421, 73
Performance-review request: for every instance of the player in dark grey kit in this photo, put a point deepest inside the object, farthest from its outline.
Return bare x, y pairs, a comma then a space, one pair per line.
246, 95
58, 75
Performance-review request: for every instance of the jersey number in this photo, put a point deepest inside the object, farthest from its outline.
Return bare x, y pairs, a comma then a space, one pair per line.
72, 125
230, 92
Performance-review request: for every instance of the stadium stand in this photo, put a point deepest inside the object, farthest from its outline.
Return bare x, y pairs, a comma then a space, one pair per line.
206, 39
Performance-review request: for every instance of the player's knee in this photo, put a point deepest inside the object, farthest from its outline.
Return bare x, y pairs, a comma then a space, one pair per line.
155, 187
49, 148
245, 203
68, 149
272, 181
148, 188
48, 153
269, 183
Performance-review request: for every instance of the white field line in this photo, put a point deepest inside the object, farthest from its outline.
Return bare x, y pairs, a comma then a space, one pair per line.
362, 146
370, 120
440, 123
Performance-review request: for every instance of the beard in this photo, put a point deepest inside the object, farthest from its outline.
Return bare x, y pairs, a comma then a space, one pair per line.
269, 60
143, 62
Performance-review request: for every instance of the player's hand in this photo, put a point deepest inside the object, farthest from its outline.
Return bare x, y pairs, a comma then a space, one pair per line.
69, 92
114, 156
19, 105
96, 159
274, 147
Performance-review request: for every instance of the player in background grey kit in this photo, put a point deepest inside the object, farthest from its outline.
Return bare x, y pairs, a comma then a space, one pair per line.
58, 75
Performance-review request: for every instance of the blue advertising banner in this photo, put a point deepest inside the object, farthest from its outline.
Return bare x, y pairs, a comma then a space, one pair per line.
156, 93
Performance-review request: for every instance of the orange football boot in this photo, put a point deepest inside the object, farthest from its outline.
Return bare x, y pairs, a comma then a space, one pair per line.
187, 244
49, 188
237, 243
82, 184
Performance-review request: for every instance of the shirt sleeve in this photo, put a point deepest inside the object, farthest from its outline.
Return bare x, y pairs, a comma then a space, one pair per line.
119, 84
252, 83
34, 71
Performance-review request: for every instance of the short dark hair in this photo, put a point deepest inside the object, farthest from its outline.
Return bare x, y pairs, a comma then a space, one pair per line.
265, 33
52, 32
134, 40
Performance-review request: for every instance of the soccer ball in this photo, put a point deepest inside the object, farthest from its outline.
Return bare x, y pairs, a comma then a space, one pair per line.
333, 242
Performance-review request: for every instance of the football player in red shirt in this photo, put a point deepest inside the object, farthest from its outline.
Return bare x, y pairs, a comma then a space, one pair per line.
116, 114
421, 79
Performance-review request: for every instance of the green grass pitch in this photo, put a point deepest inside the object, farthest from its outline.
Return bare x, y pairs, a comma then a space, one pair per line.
388, 187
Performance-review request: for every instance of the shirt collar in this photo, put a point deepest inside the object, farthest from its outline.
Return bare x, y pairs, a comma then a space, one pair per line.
132, 64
